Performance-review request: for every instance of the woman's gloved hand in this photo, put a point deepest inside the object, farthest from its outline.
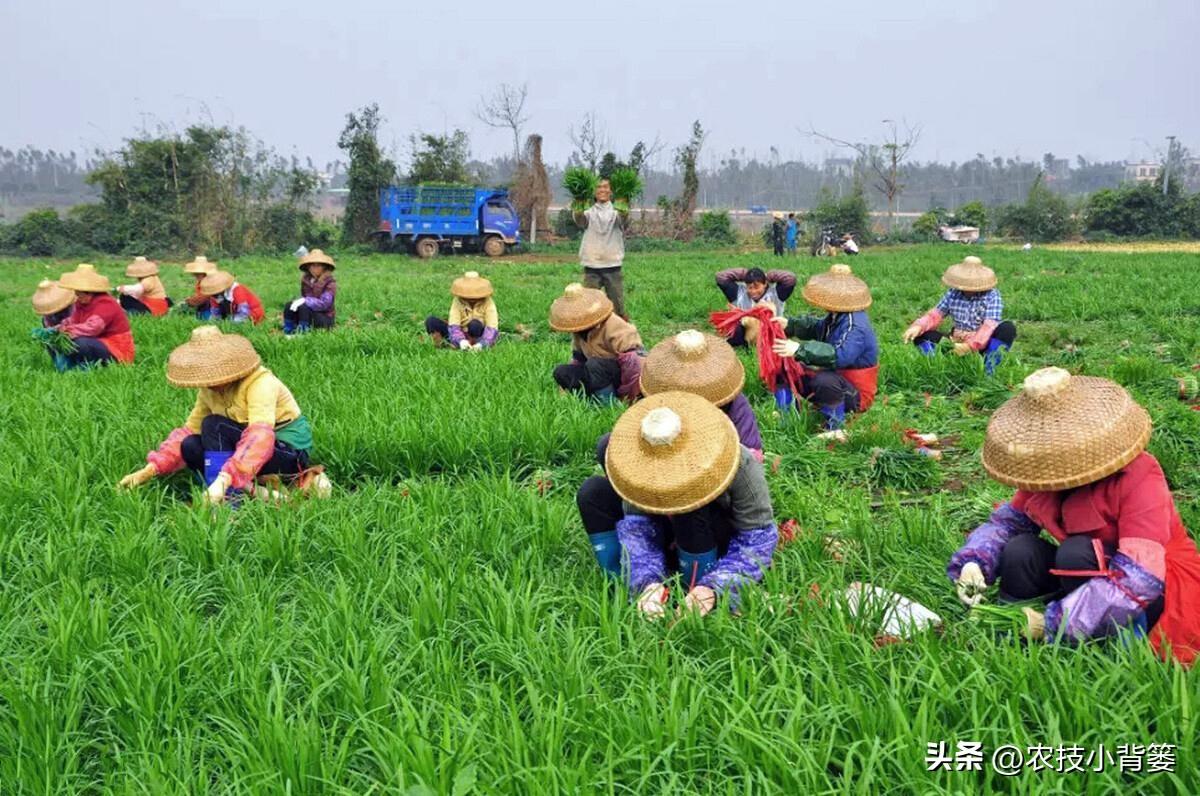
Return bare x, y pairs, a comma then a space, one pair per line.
138, 477
962, 349
297, 304
215, 494
912, 333
786, 348
1035, 627
653, 600
700, 600
970, 585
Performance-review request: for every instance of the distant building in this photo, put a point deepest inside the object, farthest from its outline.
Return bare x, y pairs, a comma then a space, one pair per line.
1142, 171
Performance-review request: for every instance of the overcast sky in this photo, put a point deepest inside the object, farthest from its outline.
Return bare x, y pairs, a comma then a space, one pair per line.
1102, 78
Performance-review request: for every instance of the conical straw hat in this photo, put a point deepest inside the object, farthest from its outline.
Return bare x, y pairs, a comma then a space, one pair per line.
837, 290
50, 298
211, 358
672, 452
84, 279
970, 275
691, 361
200, 265
319, 257
216, 283
1063, 431
471, 286
579, 308
141, 267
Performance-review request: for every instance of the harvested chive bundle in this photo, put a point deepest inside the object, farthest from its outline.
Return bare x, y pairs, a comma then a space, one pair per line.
56, 341
903, 469
626, 184
580, 183
999, 618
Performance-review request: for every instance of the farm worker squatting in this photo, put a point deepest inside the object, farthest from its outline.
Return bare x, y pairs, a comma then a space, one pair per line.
602, 249
681, 495
244, 423
96, 325
606, 355
230, 301
745, 287
474, 322
840, 351
147, 295
318, 294
200, 267
974, 304
1074, 448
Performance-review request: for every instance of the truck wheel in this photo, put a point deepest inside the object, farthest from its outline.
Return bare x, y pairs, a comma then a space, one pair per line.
494, 246
427, 248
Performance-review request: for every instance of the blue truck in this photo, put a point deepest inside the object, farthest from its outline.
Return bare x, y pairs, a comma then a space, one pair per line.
430, 219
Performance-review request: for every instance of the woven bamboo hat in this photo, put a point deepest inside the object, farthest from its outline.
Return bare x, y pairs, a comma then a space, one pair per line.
579, 308
141, 267
215, 283
970, 275
672, 452
837, 290
1063, 431
318, 257
471, 286
691, 361
50, 298
200, 265
84, 279
211, 358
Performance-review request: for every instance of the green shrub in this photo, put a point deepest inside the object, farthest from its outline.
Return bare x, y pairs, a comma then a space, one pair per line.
715, 226
1045, 216
40, 233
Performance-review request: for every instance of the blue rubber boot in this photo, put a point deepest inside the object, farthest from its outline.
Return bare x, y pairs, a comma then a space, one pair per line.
289, 327
61, 363
835, 416
784, 399
203, 314
927, 348
303, 328
607, 549
992, 355
694, 566
213, 462
605, 396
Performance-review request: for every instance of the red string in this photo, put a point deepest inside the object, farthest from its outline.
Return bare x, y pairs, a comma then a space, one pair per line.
770, 364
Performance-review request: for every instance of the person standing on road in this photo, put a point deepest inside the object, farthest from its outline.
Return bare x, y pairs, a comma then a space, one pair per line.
793, 230
777, 233
602, 249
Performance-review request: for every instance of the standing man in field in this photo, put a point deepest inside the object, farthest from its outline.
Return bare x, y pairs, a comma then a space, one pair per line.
602, 250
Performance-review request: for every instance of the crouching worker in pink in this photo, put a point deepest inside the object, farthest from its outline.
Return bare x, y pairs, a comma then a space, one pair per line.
681, 496
244, 424
1074, 448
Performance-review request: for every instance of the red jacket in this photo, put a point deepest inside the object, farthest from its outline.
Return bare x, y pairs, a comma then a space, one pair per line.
243, 303
103, 319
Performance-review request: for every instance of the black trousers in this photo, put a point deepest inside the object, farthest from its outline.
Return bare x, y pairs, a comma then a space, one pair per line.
830, 388
219, 433
1025, 564
89, 351
317, 320
590, 376
695, 532
435, 325
132, 306
1006, 333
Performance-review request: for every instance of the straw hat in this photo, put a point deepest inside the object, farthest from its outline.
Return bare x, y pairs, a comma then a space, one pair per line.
970, 275
471, 286
694, 362
837, 290
776, 214
215, 283
211, 358
50, 298
141, 267
671, 453
579, 308
200, 265
84, 279
1064, 431
318, 257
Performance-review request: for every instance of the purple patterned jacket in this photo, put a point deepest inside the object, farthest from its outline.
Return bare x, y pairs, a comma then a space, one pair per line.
319, 296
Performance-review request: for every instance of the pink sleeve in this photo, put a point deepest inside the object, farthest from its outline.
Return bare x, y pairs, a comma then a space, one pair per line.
92, 327
254, 449
169, 456
930, 320
1147, 513
981, 335
631, 374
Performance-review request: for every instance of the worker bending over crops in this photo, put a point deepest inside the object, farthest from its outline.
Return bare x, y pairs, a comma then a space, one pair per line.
840, 352
229, 300
474, 323
681, 495
703, 365
244, 423
53, 304
147, 295
199, 267
602, 248
318, 292
606, 357
974, 304
97, 326
746, 287
1074, 448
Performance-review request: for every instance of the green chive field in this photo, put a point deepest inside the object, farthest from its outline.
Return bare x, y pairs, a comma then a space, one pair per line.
440, 625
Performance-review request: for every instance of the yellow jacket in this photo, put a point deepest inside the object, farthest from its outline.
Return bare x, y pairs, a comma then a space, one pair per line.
258, 398
483, 310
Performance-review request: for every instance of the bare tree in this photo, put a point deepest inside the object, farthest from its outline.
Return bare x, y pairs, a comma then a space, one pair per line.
590, 140
531, 189
506, 109
885, 160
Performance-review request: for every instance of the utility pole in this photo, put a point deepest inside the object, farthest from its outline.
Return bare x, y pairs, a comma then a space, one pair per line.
1167, 167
